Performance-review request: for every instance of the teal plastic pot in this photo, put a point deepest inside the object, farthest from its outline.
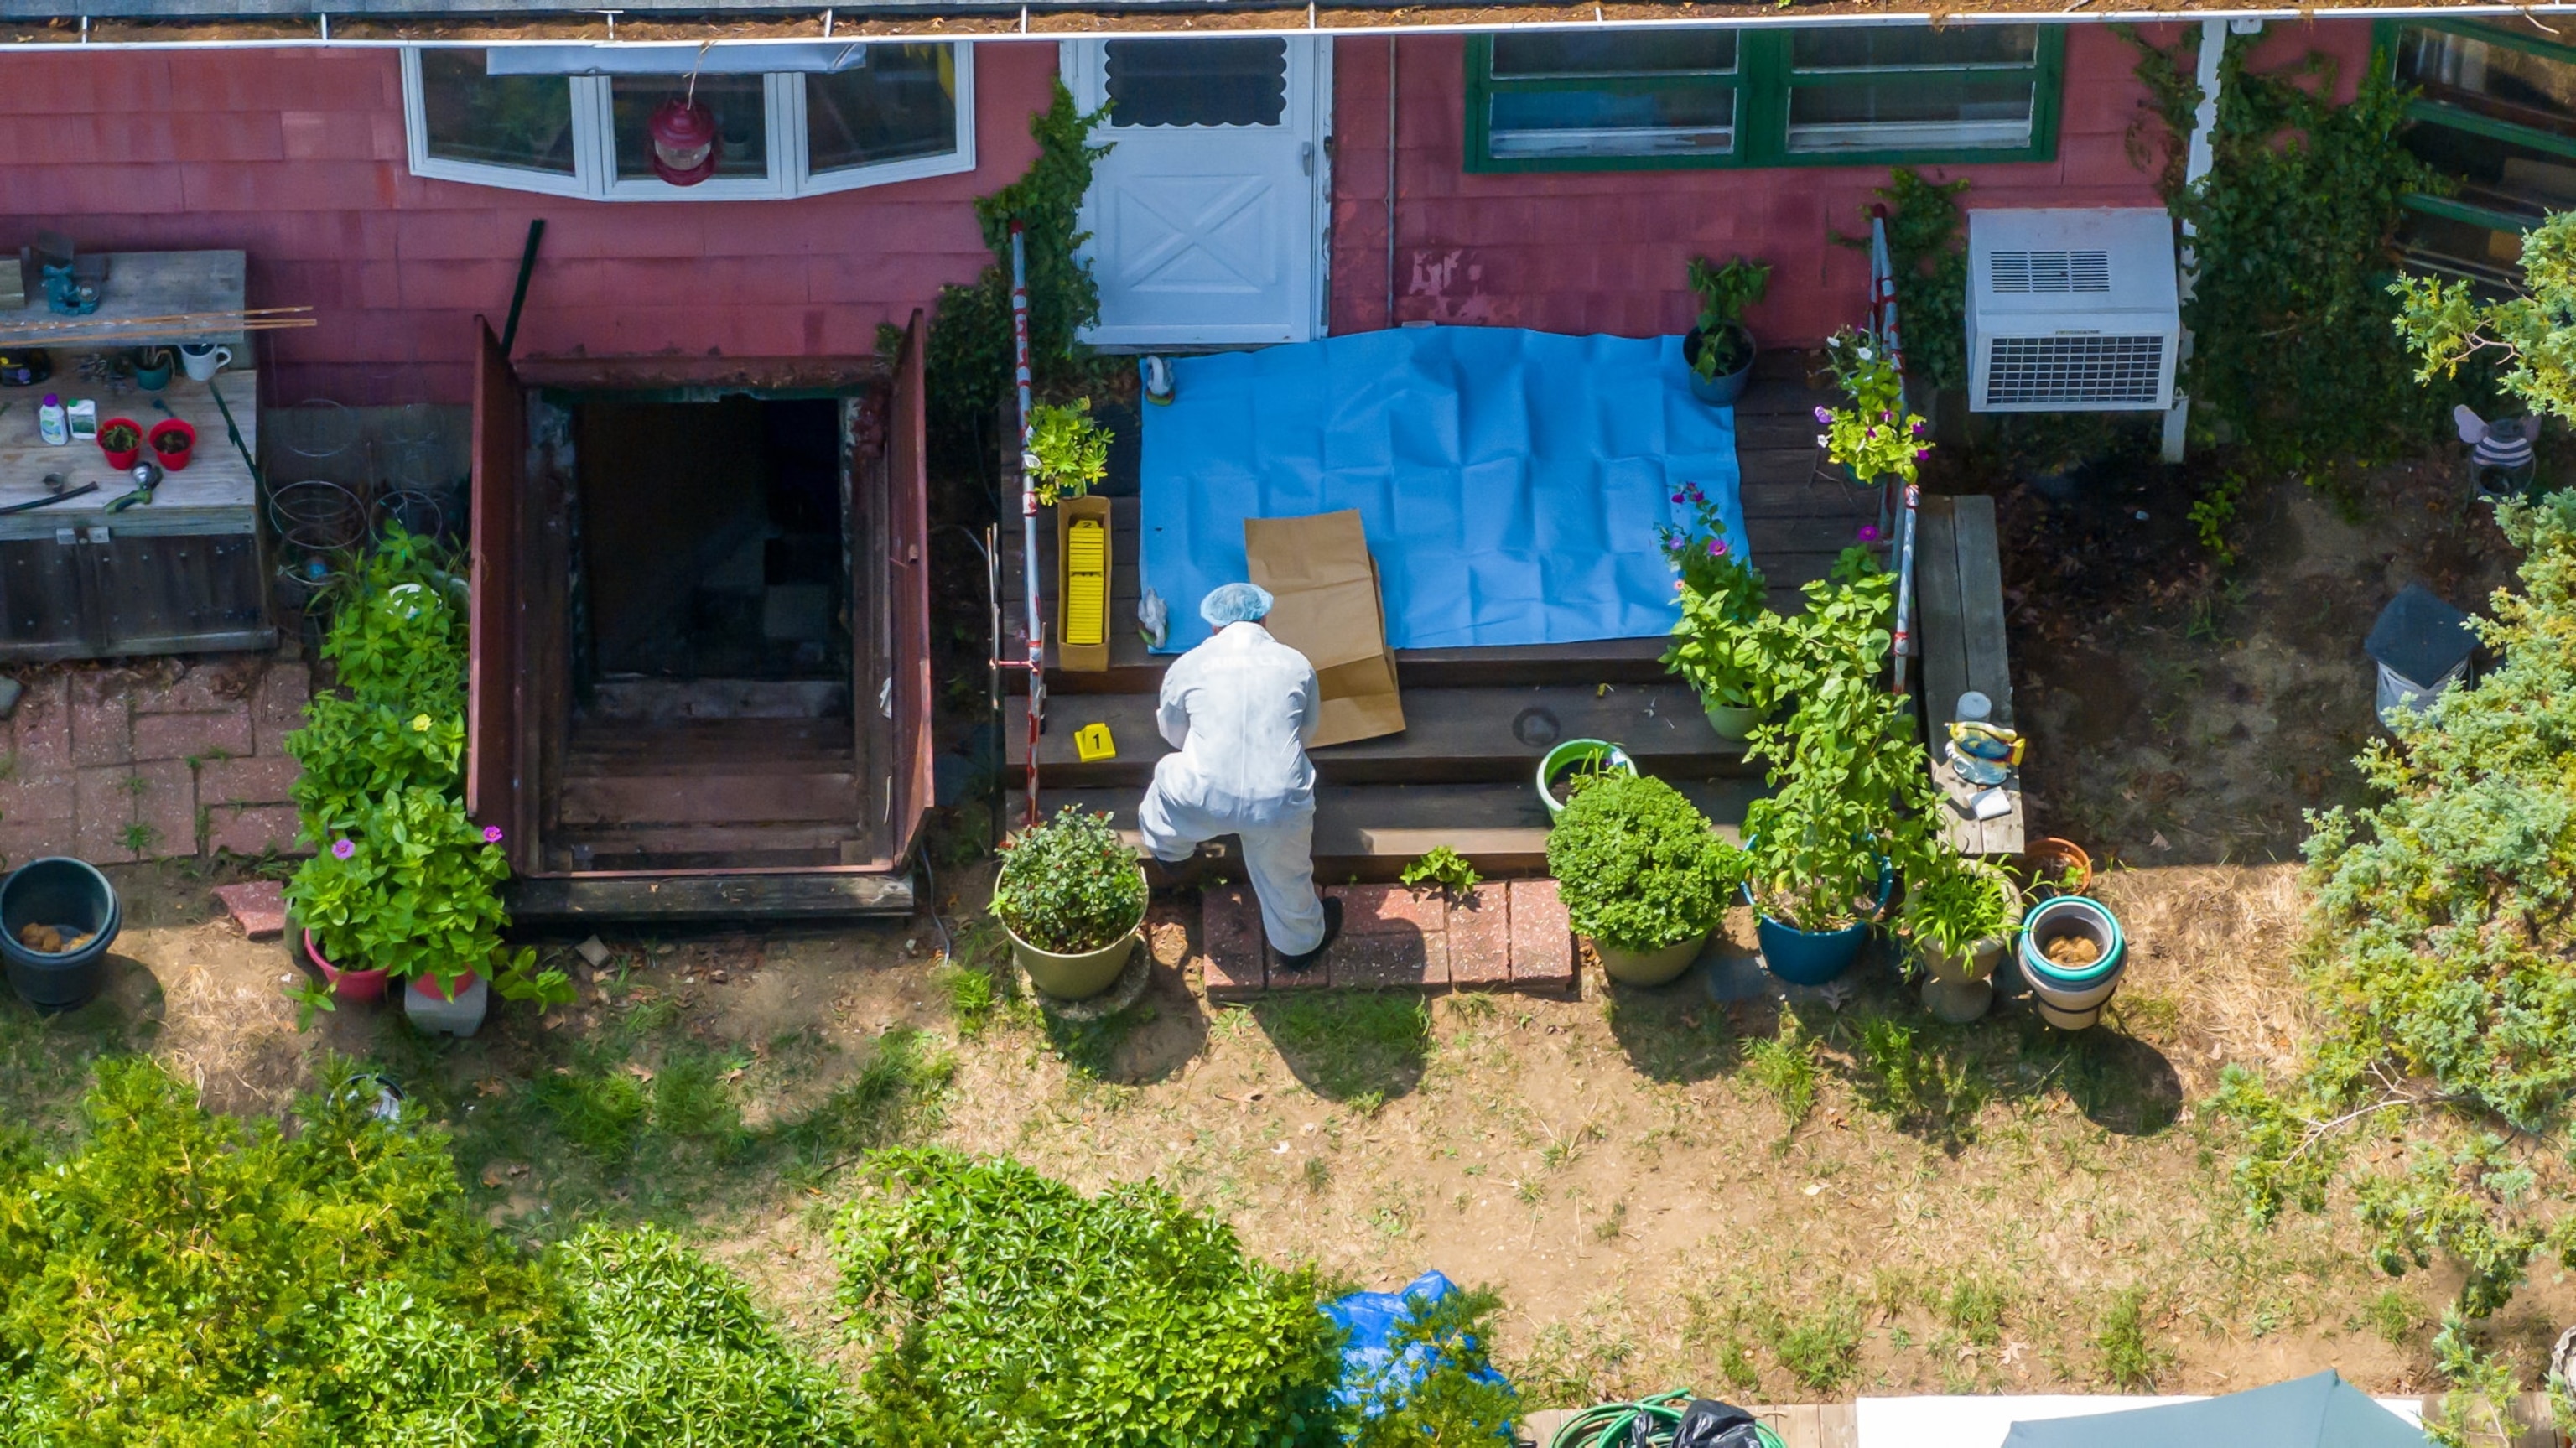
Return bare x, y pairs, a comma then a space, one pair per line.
70, 895
1813, 957
2071, 998
1566, 756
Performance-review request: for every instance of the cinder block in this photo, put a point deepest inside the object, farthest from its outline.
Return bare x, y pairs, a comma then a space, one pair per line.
192, 736
1542, 942
202, 688
1480, 939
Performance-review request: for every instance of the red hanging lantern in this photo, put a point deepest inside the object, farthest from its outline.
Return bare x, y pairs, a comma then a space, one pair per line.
685, 145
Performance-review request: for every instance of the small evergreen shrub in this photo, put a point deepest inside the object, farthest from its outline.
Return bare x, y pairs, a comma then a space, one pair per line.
1069, 885
1638, 865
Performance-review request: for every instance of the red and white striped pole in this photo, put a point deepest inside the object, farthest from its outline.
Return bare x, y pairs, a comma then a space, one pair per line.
1882, 320
1036, 664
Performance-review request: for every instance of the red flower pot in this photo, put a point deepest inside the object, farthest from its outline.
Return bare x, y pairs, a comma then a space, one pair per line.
427, 985
121, 458
173, 442
351, 987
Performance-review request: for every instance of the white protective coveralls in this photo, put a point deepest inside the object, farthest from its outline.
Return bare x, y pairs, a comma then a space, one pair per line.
1239, 709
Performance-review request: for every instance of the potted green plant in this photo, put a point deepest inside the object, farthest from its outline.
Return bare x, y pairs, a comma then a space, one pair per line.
1072, 897
121, 439
1719, 350
1642, 874
1726, 641
1571, 762
1959, 914
1068, 452
1871, 436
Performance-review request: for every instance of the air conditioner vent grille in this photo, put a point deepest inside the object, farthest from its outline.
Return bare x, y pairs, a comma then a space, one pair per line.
2074, 371
2025, 272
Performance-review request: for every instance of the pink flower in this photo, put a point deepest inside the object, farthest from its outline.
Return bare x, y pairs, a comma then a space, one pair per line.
491, 834
1716, 547
1869, 532
343, 849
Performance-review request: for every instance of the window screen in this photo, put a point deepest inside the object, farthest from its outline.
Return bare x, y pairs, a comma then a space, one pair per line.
520, 121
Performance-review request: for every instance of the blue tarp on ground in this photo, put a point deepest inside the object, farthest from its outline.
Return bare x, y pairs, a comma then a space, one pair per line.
1510, 482
1375, 1376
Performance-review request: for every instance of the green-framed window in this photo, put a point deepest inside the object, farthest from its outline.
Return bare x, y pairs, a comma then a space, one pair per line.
2495, 112
1595, 100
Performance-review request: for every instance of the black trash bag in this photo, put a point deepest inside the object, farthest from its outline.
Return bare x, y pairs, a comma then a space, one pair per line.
1707, 1423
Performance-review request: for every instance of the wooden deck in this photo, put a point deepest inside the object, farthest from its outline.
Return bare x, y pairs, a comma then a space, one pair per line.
1477, 719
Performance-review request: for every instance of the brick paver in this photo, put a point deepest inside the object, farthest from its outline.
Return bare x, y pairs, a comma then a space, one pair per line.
1398, 939
177, 756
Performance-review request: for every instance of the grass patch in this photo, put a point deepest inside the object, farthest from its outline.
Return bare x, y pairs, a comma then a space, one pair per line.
1821, 1347
1785, 1067
1974, 1308
2395, 1316
1360, 1047
2128, 1359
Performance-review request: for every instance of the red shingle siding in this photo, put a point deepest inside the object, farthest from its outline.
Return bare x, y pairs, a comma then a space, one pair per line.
297, 157
1605, 251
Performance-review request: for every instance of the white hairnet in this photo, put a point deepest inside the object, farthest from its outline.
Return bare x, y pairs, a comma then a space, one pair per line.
1235, 603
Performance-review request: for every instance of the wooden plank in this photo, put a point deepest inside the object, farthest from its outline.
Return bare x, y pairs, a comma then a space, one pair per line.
1959, 592
538, 900
1981, 605
147, 284
908, 602
1795, 1423
1838, 1425
213, 494
625, 838
739, 798
492, 761
1451, 735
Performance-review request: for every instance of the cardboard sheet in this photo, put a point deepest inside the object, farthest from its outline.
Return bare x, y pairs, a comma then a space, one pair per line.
1510, 482
1324, 604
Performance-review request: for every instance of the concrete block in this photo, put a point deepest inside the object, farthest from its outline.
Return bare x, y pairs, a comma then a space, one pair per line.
166, 806
1389, 961
101, 721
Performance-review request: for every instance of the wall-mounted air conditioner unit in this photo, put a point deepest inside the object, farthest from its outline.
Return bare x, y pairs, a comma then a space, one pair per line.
2072, 311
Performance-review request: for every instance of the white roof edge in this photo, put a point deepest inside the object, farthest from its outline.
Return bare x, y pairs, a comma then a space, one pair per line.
72, 41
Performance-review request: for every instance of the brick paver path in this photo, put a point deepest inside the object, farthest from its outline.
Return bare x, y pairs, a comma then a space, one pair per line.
117, 763
1507, 935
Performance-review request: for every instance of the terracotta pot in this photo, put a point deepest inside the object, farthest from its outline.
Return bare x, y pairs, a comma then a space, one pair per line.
2049, 859
349, 987
1650, 967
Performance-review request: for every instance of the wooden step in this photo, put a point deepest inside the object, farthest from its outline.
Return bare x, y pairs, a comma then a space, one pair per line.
711, 746
1450, 736
1371, 832
1133, 670
744, 797
579, 901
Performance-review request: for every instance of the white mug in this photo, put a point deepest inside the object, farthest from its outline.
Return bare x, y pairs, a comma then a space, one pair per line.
203, 359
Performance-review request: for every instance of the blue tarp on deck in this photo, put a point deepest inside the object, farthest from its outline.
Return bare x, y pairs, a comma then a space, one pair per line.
1510, 482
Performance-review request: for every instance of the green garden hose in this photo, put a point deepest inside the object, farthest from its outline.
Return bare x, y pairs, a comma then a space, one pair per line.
1610, 1425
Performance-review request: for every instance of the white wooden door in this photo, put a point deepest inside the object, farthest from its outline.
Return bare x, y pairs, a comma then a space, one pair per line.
1206, 217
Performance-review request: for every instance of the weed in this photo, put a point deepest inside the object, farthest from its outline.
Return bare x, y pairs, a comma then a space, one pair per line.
1821, 1349
1735, 1360
1445, 868
135, 784
2128, 1359
1785, 1066
1975, 1307
971, 997
1317, 1175
139, 838
2212, 514
1911, 1081
2394, 1315
1614, 1225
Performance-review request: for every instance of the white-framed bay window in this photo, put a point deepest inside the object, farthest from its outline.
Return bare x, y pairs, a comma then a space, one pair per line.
791, 120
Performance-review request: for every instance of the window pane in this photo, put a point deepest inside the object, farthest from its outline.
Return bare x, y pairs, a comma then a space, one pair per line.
524, 121
2460, 248
1910, 115
1862, 47
740, 104
1681, 121
1197, 82
2522, 181
1541, 55
2496, 80
900, 104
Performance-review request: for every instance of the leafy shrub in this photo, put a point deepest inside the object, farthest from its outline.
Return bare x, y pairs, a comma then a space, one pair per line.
1871, 433
399, 635
412, 887
670, 1349
1925, 249
1725, 292
1071, 449
1069, 885
351, 755
1638, 865
1727, 642
1009, 1309
1461, 1400
183, 1277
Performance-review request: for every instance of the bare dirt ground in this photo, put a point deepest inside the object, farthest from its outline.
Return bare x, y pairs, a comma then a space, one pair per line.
1989, 1207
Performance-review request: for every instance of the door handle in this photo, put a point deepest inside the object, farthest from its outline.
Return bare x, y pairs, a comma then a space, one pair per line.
1306, 158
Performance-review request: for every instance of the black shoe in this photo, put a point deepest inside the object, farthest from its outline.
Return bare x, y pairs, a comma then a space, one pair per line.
1308, 960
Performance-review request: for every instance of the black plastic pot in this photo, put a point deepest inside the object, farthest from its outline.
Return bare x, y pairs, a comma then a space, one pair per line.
1724, 389
60, 892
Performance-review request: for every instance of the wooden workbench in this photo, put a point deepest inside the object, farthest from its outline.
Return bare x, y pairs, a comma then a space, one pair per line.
182, 574
1959, 594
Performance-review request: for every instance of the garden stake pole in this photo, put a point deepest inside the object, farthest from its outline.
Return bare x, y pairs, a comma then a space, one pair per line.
527, 266
1882, 306
1036, 664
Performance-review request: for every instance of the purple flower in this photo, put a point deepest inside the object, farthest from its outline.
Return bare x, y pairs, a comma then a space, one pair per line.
491, 834
1677, 497
1823, 416
1887, 417
343, 849
1921, 453
1869, 532
1918, 427
1716, 547
1696, 495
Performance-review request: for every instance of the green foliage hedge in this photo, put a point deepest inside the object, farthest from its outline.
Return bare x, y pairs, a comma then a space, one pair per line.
184, 1278
1009, 1309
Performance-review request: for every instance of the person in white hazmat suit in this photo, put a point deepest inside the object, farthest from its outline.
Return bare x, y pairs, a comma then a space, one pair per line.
1238, 710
